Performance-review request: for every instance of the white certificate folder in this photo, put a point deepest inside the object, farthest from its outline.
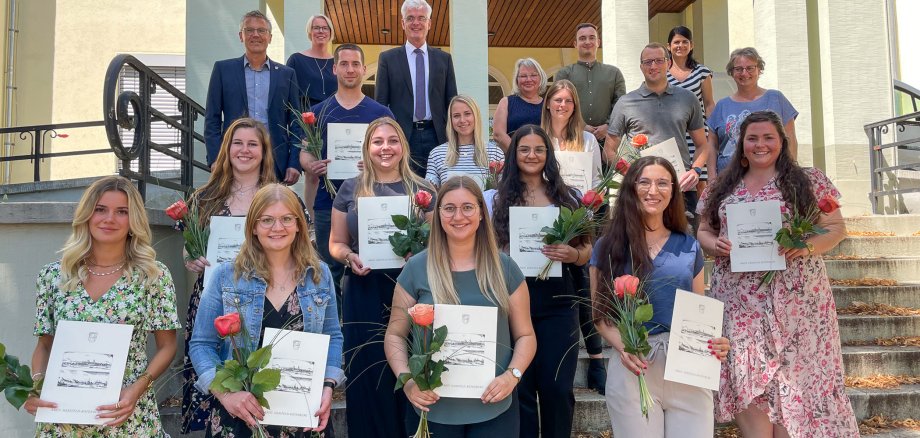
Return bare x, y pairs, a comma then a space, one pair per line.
469, 350
752, 228
526, 238
375, 226
301, 358
86, 369
696, 320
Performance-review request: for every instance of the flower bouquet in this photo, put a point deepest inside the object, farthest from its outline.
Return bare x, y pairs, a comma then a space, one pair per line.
188, 221
423, 370
247, 370
16, 382
312, 141
569, 225
415, 226
800, 227
495, 171
631, 309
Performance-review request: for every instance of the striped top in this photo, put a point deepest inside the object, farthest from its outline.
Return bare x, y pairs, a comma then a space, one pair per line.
694, 84
438, 172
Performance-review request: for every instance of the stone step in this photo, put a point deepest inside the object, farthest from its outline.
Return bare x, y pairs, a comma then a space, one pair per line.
900, 225
898, 403
903, 295
900, 269
581, 371
869, 360
897, 433
590, 414
870, 247
869, 328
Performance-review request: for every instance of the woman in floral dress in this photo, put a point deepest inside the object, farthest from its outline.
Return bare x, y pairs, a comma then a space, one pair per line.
277, 281
784, 373
243, 165
108, 273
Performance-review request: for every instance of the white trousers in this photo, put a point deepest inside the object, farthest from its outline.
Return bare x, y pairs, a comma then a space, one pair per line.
679, 411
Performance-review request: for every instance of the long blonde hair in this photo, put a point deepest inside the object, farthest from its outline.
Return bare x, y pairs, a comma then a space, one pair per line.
212, 195
573, 139
480, 156
489, 270
139, 254
366, 181
252, 261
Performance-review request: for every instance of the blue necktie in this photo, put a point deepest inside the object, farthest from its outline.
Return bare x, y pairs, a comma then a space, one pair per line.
419, 84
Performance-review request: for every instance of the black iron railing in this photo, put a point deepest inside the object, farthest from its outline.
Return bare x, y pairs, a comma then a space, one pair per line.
40, 134
132, 111
887, 160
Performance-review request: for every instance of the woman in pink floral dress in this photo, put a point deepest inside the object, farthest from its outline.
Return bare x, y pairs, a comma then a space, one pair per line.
784, 373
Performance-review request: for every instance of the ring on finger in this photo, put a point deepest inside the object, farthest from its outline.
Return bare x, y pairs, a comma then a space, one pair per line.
117, 405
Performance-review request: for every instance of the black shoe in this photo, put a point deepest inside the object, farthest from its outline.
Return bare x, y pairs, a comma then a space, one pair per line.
597, 375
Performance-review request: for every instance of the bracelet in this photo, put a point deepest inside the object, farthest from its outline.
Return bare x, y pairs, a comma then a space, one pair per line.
36, 375
328, 384
347, 261
146, 375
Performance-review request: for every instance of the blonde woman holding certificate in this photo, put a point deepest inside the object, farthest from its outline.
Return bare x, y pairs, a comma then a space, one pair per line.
368, 293
108, 273
463, 265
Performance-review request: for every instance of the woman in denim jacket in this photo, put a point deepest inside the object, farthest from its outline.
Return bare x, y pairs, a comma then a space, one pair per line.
276, 281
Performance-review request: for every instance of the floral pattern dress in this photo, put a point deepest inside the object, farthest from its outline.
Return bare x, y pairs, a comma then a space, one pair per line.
127, 302
785, 357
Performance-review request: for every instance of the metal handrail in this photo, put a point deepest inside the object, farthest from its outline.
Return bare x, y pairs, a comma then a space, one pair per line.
882, 172
116, 111
39, 134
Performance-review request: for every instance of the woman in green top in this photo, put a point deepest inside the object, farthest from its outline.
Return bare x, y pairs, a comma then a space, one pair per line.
463, 265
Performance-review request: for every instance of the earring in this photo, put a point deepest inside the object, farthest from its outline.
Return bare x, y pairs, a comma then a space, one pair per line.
744, 162
130, 234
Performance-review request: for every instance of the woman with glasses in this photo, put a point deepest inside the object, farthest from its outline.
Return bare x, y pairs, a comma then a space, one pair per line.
523, 106
108, 273
687, 73
368, 293
784, 376
745, 66
647, 237
563, 122
466, 152
463, 265
276, 281
243, 165
531, 179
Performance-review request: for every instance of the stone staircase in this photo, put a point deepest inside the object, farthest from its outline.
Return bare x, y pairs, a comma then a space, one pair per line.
894, 257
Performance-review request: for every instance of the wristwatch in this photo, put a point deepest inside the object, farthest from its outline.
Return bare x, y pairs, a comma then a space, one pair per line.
516, 373
328, 384
698, 170
811, 247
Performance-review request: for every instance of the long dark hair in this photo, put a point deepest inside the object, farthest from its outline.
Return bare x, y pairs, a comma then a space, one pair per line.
684, 32
510, 191
623, 241
791, 179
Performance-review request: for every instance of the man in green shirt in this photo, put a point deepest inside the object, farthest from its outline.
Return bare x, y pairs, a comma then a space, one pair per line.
599, 85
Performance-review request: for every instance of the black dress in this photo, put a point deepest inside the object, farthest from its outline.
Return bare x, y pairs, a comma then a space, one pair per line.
289, 317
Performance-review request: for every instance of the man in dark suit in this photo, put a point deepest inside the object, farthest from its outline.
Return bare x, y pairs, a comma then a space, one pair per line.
417, 82
255, 86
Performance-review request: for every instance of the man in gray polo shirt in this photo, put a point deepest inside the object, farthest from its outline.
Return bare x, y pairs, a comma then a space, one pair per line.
661, 111
599, 85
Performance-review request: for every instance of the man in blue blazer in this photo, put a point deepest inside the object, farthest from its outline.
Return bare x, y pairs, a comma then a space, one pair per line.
255, 86
420, 102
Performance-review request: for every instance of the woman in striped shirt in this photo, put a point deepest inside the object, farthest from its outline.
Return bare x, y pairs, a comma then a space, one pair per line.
689, 74
466, 152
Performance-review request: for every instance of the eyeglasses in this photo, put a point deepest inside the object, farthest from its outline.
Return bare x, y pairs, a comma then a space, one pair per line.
645, 185
268, 222
449, 210
320, 28
531, 76
413, 19
658, 61
749, 69
252, 31
526, 150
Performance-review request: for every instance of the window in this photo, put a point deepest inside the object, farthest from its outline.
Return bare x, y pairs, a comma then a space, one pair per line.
160, 132
496, 93
369, 86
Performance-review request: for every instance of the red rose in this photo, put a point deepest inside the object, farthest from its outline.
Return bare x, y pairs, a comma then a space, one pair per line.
639, 141
422, 314
622, 166
178, 210
592, 200
309, 118
626, 285
227, 325
496, 166
828, 204
423, 199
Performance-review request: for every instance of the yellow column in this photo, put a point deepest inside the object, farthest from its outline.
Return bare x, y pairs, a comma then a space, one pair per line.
624, 32
469, 48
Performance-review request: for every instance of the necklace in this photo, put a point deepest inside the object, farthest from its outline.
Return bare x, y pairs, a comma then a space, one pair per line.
103, 274
380, 181
93, 262
529, 196
322, 76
